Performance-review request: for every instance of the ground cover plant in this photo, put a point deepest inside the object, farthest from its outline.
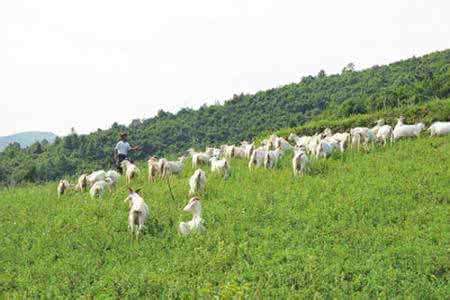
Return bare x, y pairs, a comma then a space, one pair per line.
360, 224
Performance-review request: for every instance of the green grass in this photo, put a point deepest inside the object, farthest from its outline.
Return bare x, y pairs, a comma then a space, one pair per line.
361, 225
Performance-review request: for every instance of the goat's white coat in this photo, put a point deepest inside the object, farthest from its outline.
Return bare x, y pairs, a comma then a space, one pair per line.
138, 213
196, 224
439, 128
63, 185
114, 176
131, 170
99, 187
401, 130
172, 167
220, 166
82, 183
96, 176
197, 182
153, 168
257, 158
300, 163
271, 158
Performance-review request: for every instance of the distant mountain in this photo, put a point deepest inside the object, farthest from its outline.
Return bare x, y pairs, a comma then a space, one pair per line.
25, 139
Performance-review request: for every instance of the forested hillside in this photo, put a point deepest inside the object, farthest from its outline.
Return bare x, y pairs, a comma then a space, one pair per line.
409, 82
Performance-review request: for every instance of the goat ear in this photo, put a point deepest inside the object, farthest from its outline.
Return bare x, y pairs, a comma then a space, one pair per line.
130, 190
137, 191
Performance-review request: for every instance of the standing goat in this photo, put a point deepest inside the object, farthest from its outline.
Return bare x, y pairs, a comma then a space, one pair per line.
63, 185
300, 163
220, 166
401, 130
153, 168
131, 170
138, 212
197, 183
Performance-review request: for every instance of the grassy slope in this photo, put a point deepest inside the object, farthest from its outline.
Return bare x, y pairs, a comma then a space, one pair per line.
362, 224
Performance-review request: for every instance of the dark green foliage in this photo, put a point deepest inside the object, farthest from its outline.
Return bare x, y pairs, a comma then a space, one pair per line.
401, 84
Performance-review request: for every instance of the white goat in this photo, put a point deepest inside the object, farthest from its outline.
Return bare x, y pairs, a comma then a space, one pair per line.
99, 187
339, 140
401, 130
220, 166
153, 168
299, 141
138, 213
362, 135
173, 167
200, 158
213, 152
63, 185
96, 176
114, 176
248, 149
197, 183
324, 149
196, 224
271, 158
300, 163
82, 183
385, 133
131, 170
282, 144
439, 128
257, 158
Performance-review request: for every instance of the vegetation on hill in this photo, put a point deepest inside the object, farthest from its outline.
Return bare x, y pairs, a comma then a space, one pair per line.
26, 139
359, 226
409, 82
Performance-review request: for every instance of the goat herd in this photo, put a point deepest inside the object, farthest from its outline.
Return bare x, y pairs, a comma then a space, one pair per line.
320, 145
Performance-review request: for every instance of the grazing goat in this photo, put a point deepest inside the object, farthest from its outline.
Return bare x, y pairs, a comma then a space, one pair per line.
248, 149
197, 183
257, 158
362, 135
131, 170
385, 133
96, 176
82, 183
401, 130
228, 151
172, 167
63, 185
299, 141
339, 140
220, 166
324, 149
200, 158
439, 128
300, 163
138, 213
98, 188
153, 168
311, 147
282, 144
213, 152
114, 176
271, 158
196, 224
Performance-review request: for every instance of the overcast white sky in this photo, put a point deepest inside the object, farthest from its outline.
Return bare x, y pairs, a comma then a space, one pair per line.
88, 63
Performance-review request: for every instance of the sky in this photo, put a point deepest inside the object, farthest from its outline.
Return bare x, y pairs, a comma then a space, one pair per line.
87, 64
